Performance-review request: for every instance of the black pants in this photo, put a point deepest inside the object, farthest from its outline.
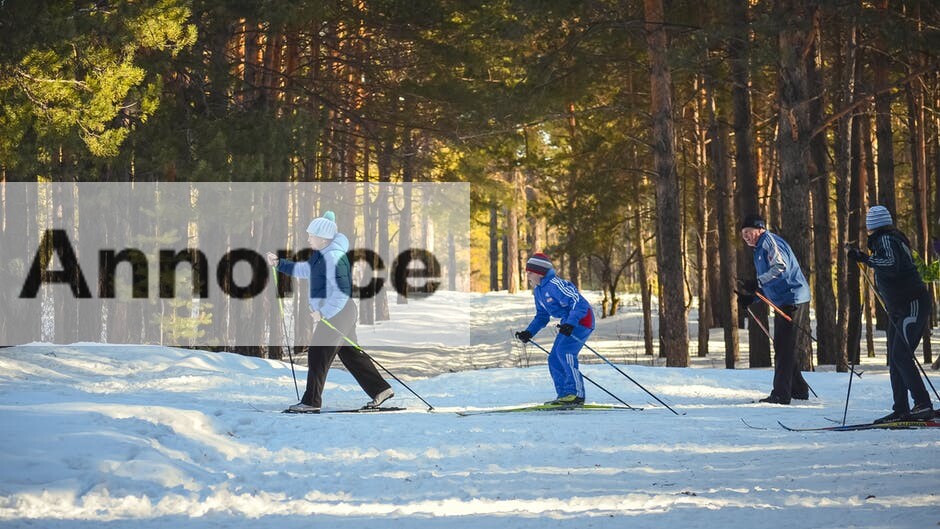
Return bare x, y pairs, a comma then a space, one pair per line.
327, 343
788, 379
904, 333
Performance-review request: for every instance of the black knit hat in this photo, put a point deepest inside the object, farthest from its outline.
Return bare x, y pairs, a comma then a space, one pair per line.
753, 220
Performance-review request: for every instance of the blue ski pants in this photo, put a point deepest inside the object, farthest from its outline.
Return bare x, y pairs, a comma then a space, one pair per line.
563, 362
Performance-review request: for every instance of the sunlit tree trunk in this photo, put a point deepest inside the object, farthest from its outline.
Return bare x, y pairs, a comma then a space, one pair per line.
747, 190
845, 69
701, 223
915, 106
719, 162
793, 140
673, 325
824, 296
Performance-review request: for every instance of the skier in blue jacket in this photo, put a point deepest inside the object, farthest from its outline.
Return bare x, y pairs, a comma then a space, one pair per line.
557, 298
781, 280
329, 273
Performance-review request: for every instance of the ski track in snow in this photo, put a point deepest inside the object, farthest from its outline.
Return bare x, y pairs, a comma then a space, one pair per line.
143, 436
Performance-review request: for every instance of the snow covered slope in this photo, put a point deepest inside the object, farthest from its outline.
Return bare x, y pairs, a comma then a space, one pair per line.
133, 436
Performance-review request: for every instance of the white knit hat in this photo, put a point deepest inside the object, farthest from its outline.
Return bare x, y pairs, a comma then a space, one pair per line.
323, 227
878, 216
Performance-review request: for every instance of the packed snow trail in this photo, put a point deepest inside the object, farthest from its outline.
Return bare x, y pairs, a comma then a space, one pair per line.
142, 437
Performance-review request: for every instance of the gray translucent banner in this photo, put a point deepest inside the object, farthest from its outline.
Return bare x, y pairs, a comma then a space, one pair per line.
184, 264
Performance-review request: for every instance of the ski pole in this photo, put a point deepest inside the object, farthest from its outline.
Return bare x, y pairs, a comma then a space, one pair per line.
789, 319
600, 387
769, 337
786, 316
370, 357
759, 323
885, 307
280, 302
848, 392
624, 374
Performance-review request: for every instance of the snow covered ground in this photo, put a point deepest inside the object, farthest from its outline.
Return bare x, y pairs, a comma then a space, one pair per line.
144, 436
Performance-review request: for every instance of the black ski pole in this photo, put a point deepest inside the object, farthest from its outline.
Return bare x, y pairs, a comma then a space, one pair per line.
885, 307
370, 357
848, 393
769, 337
600, 387
611, 364
280, 302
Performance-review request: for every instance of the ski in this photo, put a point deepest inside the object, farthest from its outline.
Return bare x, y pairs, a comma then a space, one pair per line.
751, 426
351, 410
548, 408
892, 425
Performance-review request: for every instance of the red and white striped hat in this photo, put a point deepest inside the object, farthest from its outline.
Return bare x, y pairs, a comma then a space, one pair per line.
538, 264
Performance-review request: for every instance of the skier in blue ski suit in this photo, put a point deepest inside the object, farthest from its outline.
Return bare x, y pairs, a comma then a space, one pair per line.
557, 298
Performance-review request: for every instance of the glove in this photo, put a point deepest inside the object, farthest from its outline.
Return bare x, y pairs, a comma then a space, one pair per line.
744, 301
524, 336
566, 328
748, 285
857, 255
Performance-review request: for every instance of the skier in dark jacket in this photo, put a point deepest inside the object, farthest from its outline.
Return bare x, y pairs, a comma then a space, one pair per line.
555, 297
908, 304
781, 280
328, 271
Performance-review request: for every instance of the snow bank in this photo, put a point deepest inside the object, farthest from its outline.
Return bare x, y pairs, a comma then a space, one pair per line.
134, 436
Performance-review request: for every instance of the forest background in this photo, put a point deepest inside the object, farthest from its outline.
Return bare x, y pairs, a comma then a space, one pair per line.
625, 138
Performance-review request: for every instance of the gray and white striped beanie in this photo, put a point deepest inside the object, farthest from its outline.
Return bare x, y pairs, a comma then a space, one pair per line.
878, 216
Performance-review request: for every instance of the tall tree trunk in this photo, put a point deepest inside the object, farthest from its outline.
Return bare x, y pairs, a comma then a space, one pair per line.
674, 325
512, 233
504, 254
746, 177
712, 248
936, 168
915, 121
845, 69
868, 159
382, 203
719, 158
406, 223
793, 139
574, 270
883, 123
935, 212
856, 224
367, 303
915, 105
701, 221
494, 248
645, 284
643, 278
826, 319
